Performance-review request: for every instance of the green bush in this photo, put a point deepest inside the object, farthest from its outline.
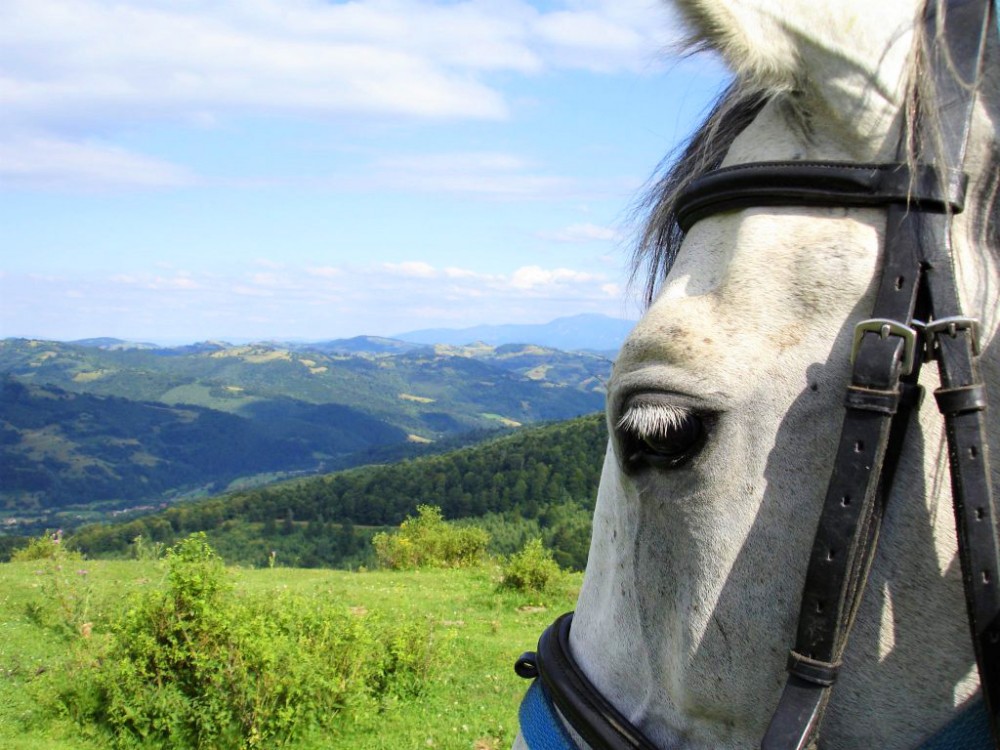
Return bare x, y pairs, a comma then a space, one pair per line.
430, 541
531, 569
63, 602
45, 547
143, 549
194, 665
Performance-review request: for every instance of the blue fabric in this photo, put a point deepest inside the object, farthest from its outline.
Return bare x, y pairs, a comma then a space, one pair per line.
540, 725
970, 730
542, 729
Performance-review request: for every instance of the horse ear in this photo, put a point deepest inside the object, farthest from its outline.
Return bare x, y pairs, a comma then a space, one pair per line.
747, 35
781, 44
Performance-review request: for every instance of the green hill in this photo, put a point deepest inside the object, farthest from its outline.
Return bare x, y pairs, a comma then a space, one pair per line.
417, 390
82, 425
59, 448
537, 481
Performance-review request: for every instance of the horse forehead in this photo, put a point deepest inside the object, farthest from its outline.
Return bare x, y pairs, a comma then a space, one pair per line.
759, 278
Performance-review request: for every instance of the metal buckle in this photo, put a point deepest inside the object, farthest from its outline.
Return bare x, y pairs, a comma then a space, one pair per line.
886, 328
952, 326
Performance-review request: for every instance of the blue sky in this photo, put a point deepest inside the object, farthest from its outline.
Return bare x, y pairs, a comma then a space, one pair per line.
179, 170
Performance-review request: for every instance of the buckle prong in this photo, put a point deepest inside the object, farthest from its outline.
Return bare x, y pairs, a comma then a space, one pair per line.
886, 328
951, 326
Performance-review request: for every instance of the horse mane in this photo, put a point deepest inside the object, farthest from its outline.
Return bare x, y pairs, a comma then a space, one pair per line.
660, 236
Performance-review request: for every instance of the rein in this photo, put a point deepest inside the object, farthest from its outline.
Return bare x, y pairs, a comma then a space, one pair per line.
917, 283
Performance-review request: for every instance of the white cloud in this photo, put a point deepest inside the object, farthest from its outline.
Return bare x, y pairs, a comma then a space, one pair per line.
43, 161
484, 174
142, 59
274, 265
75, 73
460, 273
149, 60
412, 269
179, 281
576, 233
470, 161
296, 303
587, 40
326, 272
530, 277
250, 291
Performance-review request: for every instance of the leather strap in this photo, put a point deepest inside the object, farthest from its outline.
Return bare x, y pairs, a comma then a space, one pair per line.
975, 510
969, 28
819, 184
918, 242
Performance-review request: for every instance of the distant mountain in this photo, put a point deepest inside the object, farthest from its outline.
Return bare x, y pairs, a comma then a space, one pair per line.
200, 347
586, 332
360, 344
82, 424
112, 344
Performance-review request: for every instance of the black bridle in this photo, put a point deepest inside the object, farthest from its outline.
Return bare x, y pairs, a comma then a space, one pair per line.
917, 283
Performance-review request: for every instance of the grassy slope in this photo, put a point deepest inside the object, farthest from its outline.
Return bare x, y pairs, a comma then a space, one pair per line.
470, 702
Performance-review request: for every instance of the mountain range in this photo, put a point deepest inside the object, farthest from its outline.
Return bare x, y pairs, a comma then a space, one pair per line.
585, 332
107, 423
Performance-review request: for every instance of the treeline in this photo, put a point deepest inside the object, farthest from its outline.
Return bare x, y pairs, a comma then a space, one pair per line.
540, 481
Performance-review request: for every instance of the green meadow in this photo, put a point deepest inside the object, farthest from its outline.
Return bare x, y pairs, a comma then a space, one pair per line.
60, 621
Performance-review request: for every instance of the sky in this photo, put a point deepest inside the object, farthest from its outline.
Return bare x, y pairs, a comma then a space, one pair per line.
181, 170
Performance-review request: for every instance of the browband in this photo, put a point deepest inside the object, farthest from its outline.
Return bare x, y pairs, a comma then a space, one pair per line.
819, 184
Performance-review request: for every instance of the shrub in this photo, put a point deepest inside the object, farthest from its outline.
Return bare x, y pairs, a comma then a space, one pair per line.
143, 549
531, 569
194, 665
63, 604
45, 547
430, 541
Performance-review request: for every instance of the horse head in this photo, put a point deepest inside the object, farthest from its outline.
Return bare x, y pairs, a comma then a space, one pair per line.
727, 400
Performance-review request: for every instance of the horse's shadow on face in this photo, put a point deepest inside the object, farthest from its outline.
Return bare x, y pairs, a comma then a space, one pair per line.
900, 647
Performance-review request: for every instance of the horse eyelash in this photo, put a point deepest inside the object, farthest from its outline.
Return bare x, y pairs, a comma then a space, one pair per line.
647, 420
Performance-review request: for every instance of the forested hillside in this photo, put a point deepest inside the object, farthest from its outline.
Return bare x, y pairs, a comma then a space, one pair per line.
109, 424
539, 481
59, 448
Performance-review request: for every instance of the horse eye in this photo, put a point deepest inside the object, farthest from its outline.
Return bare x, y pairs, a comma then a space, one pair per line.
669, 448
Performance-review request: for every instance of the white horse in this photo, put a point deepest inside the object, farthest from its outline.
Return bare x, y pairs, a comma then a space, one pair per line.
727, 399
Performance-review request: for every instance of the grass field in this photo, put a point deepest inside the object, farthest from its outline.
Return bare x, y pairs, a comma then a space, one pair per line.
469, 700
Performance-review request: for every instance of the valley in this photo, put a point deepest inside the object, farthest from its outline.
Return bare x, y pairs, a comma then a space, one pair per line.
94, 428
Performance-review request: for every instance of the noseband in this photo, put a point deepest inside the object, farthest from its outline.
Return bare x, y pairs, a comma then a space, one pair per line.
917, 283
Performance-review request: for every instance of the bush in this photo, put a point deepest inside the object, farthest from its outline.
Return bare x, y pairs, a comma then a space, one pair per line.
531, 569
193, 665
45, 547
430, 541
63, 604
143, 549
